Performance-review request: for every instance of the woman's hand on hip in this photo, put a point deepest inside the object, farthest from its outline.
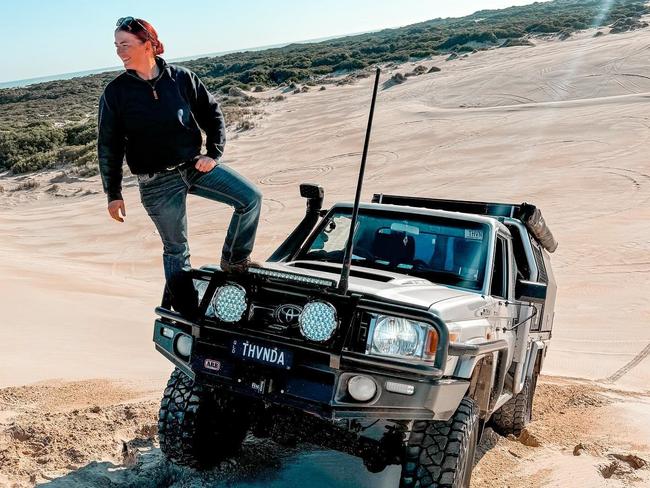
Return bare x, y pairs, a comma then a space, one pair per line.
114, 208
205, 164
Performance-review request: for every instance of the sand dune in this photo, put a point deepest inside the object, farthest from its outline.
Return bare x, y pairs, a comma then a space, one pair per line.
564, 125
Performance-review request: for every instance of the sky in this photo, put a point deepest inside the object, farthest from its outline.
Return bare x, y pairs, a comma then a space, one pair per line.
48, 37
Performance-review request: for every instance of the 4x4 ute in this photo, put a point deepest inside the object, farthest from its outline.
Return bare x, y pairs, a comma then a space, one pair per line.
443, 326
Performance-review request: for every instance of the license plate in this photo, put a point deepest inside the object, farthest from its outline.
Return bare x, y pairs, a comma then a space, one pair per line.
267, 355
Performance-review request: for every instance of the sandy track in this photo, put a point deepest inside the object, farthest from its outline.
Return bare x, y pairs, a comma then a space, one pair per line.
99, 433
564, 125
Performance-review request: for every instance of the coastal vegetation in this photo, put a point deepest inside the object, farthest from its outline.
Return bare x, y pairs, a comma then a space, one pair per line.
54, 124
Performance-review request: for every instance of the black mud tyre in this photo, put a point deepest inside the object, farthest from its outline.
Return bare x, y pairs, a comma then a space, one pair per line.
441, 454
199, 427
517, 412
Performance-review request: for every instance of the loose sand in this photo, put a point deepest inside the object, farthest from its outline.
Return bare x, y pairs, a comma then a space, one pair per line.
565, 125
101, 433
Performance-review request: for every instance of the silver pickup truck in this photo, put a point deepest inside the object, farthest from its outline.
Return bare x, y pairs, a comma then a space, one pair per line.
443, 329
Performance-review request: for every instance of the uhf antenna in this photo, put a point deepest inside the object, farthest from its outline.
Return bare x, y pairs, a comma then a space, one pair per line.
347, 255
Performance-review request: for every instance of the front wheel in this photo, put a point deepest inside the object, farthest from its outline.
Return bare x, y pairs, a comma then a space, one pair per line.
197, 426
441, 454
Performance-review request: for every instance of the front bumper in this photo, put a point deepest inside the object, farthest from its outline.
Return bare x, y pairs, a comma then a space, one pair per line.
317, 381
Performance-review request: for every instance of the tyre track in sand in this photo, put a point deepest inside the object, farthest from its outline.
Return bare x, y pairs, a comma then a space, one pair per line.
322, 167
629, 366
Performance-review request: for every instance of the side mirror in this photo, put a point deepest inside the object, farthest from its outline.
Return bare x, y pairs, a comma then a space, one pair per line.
314, 195
310, 190
530, 291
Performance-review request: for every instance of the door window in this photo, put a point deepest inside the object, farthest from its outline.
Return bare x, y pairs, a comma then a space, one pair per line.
500, 271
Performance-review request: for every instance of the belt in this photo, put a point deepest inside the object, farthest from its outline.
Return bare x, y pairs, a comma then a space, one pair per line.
183, 165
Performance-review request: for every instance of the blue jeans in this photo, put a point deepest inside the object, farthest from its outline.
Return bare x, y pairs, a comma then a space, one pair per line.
164, 194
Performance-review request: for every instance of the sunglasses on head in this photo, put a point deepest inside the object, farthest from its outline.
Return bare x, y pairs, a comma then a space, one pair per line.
126, 22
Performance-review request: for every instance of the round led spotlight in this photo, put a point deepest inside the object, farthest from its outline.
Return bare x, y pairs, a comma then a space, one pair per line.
229, 302
362, 388
318, 321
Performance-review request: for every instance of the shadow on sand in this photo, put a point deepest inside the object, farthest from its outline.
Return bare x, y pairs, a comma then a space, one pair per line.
260, 464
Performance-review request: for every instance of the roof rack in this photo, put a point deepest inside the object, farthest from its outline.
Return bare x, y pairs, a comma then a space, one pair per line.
480, 208
529, 214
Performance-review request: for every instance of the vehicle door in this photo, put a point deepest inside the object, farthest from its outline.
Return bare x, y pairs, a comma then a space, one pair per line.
502, 292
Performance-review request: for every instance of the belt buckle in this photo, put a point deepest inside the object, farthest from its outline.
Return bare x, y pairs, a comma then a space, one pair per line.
177, 166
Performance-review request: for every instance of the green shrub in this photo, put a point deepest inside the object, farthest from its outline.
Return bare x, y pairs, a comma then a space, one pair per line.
349, 65
542, 29
508, 33
398, 57
245, 125
462, 39
398, 78
87, 170
331, 60
33, 139
81, 134
29, 184
419, 54
254, 76
280, 75
34, 162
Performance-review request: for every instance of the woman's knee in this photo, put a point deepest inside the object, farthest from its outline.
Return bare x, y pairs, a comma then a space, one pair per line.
253, 200
179, 250
257, 196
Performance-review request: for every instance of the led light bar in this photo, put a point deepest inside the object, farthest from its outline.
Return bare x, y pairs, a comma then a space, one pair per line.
298, 278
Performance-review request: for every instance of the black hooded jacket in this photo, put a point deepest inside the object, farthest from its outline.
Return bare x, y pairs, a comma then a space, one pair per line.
155, 123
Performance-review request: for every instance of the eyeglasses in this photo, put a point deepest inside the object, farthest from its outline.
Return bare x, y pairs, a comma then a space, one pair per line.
126, 23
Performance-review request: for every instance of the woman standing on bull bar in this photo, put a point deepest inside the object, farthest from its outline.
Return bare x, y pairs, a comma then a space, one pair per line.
153, 114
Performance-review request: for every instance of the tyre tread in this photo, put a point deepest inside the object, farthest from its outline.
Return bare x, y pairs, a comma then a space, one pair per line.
512, 417
435, 448
186, 437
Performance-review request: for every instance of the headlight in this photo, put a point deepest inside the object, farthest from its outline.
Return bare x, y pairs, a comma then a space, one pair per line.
229, 302
400, 337
394, 336
318, 321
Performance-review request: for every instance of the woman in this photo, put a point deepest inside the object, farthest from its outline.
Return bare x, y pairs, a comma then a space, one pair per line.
153, 114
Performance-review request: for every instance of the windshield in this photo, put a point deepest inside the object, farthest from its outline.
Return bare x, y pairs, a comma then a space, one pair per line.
441, 250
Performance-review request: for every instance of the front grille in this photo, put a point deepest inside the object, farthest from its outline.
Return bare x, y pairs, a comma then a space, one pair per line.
541, 268
273, 312
277, 313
